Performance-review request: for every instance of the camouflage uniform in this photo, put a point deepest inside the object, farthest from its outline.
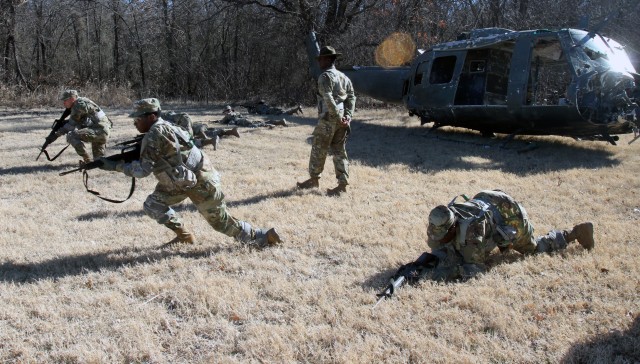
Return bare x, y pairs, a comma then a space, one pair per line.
181, 175
335, 100
199, 131
235, 118
264, 109
87, 123
490, 219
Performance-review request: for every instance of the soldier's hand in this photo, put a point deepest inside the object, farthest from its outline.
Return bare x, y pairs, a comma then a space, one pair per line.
346, 120
108, 165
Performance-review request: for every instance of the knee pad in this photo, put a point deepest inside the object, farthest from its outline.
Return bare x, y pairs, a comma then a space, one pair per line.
158, 211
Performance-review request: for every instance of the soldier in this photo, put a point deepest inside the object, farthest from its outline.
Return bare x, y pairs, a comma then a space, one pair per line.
461, 235
336, 103
87, 123
233, 117
182, 171
262, 108
202, 135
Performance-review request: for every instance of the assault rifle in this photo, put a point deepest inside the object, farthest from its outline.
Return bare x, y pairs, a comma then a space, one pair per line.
57, 124
411, 273
129, 152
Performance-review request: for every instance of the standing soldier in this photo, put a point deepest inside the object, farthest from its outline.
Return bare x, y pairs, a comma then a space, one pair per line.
182, 171
87, 123
336, 103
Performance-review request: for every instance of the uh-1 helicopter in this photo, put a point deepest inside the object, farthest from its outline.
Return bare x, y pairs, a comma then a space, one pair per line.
567, 82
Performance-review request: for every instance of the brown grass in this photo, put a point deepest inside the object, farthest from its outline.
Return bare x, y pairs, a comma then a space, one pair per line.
86, 281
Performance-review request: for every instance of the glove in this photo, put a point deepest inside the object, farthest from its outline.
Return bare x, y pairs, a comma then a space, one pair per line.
108, 164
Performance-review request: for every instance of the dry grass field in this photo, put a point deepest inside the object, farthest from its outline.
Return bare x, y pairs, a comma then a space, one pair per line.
86, 281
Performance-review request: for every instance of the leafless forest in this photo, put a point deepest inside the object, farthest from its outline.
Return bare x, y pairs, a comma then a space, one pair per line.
237, 49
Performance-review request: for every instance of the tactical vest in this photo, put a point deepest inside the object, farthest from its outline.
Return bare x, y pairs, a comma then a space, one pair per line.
483, 207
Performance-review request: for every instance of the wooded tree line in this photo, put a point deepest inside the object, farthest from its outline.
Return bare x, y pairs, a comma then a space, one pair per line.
241, 49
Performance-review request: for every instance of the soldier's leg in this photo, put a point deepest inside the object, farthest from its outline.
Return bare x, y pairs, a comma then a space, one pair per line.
158, 207
553, 241
525, 242
322, 136
208, 197
99, 145
340, 158
74, 138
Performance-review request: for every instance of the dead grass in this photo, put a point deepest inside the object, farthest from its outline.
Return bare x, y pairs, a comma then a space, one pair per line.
86, 281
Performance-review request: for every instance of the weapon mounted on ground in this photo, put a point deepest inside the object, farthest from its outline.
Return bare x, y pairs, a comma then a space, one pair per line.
407, 273
129, 152
57, 125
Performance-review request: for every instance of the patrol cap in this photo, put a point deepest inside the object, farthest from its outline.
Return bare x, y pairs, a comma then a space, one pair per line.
441, 218
145, 106
227, 109
68, 94
328, 51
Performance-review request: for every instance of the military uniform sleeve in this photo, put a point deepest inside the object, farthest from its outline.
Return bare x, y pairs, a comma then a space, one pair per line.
80, 113
70, 125
325, 89
350, 101
476, 233
150, 154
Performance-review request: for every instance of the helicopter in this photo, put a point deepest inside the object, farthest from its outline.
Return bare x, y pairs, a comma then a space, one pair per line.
567, 82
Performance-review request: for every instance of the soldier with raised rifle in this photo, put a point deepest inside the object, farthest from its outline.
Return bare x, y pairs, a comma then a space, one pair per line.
182, 171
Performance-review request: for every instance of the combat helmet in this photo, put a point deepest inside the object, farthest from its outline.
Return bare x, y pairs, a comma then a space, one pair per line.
441, 218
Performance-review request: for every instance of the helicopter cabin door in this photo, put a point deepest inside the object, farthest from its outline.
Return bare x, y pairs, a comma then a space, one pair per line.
435, 81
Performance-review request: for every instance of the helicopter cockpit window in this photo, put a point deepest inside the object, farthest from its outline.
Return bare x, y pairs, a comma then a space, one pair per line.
605, 51
442, 69
549, 75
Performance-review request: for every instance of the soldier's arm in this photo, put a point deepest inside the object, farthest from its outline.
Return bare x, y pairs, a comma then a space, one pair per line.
350, 101
325, 87
150, 153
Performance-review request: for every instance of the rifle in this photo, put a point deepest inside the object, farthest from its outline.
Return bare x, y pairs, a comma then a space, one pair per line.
411, 273
57, 124
129, 152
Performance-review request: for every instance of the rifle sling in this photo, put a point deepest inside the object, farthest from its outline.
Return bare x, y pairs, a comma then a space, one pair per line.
85, 180
46, 154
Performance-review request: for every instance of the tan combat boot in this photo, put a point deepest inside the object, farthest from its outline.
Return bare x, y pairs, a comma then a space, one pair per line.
273, 238
233, 132
85, 159
583, 233
211, 141
183, 236
340, 189
312, 182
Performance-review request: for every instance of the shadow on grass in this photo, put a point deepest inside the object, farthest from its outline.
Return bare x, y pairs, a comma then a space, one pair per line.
39, 168
427, 152
615, 347
461, 149
93, 262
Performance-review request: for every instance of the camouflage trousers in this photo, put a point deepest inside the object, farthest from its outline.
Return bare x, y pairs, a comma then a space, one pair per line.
330, 135
469, 260
208, 198
97, 138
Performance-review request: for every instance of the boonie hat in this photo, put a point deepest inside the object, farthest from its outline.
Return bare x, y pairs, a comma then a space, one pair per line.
68, 94
441, 219
145, 106
328, 51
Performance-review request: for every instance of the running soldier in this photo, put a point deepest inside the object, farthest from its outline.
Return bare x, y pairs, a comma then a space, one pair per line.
182, 171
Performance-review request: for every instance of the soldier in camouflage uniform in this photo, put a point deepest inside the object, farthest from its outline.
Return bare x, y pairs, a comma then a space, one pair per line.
87, 123
336, 103
262, 108
461, 235
182, 171
233, 117
202, 134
